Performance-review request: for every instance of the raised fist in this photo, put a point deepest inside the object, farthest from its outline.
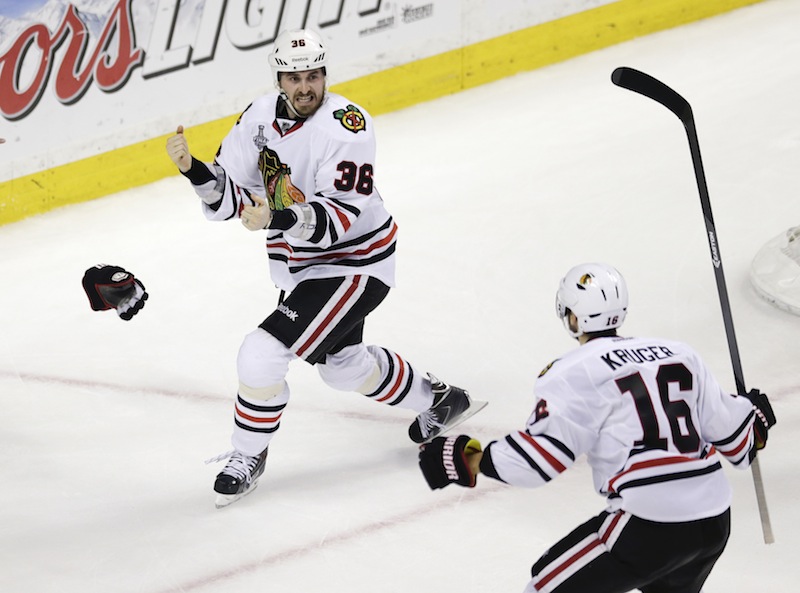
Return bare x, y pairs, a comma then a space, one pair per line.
178, 151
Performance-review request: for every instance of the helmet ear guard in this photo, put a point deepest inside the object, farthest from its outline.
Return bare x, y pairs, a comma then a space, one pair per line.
596, 294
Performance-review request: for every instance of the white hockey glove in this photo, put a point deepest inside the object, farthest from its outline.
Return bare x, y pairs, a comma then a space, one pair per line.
178, 151
258, 217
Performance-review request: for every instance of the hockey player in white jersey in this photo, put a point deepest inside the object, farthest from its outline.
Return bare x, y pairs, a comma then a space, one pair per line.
653, 423
299, 165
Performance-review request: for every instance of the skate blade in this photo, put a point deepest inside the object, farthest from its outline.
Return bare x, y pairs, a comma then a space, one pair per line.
225, 500
475, 407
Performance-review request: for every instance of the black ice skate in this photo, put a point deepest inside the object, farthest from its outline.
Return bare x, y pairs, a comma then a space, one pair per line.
239, 477
451, 406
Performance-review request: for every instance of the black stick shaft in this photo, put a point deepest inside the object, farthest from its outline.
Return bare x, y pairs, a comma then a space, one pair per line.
653, 88
716, 257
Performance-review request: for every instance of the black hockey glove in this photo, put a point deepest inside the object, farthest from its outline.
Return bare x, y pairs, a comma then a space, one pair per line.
444, 461
112, 287
765, 417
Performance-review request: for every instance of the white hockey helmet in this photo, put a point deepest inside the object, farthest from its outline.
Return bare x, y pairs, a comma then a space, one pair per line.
295, 50
596, 294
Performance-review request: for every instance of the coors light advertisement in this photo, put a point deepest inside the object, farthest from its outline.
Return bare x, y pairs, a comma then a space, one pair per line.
82, 77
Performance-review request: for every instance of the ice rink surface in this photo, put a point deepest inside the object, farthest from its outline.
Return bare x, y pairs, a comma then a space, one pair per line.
105, 424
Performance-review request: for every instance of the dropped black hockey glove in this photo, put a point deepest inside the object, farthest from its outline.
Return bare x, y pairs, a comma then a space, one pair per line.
444, 461
112, 287
765, 417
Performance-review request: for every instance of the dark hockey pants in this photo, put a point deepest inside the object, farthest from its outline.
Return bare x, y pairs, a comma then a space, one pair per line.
649, 556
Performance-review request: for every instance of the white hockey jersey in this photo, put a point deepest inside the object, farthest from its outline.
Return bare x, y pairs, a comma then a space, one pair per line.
649, 416
327, 161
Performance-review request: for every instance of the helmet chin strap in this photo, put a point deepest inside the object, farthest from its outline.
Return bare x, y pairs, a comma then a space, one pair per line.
286, 100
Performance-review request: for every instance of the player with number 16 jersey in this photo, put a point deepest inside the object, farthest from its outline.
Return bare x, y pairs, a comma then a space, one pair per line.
654, 425
652, 430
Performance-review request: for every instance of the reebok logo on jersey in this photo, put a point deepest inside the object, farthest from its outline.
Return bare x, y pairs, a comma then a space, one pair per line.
292, 315
447, 458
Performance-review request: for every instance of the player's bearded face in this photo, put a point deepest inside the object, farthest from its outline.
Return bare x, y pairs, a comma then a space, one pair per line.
305, 90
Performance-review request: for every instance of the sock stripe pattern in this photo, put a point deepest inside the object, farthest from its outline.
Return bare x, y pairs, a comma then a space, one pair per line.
398, 377
257, 418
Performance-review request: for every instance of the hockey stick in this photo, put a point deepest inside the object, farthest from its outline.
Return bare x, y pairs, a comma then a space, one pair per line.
656, 90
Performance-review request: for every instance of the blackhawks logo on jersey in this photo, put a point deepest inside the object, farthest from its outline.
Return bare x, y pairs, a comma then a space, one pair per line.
351, 118
281, 192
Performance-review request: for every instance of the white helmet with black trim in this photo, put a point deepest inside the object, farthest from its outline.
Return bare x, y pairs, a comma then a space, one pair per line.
296, 50
596, 294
